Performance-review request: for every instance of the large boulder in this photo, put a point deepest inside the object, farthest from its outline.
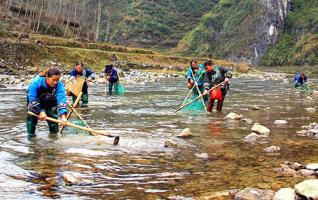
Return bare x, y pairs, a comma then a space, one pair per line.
254, 194
308, 189
285, 194
257, 128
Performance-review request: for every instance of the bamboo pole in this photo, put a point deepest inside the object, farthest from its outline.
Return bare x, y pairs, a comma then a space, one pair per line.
93, 132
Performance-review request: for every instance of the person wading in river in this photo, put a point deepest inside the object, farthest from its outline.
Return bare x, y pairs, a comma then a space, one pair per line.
46, 97
111, 75
214, 75
300, 79
88, 75
195, 73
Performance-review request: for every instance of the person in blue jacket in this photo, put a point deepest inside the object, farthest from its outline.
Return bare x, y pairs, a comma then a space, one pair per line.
195, 73
111, 75
88, 75
46, 97
300, 79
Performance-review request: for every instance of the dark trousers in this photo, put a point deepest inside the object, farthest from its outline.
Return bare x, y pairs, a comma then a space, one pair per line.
111, 86
32, 121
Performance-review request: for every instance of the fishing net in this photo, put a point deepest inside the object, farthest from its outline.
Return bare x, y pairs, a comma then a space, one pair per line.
304, 88
195, 106
71, 131
119, 89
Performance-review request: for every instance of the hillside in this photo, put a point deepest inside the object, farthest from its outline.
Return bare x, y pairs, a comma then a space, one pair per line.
259, 32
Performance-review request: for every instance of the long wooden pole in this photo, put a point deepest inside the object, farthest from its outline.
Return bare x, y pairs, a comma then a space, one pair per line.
93, 132
78, 115
199, 97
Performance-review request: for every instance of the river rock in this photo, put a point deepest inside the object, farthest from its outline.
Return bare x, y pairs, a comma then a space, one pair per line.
310, 110
309, 98
254, 194
170, 144
312, 166
302, 133
71, 179
247, 120
272, 149
308, 189
306, 172
252, 137
285, 194
294, 165
178, 197
257, 128
280, 122
254, 108
233, 116
186, 133
285, 170
202, 155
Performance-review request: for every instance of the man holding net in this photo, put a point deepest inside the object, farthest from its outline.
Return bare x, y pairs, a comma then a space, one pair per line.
215, 75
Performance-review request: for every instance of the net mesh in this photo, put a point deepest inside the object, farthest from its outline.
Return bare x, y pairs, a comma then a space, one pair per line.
195, 106
119, 89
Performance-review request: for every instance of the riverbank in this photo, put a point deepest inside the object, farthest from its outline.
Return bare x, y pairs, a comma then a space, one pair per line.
26, 56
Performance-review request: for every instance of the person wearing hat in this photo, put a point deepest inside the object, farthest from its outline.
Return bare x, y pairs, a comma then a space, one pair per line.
300, 79
215, 75
111, 75
88, 75
195, 73
46, 97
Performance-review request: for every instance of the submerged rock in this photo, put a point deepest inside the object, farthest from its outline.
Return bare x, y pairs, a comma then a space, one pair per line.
71, 179
202, 155
233, 116
170, 144
252, 137
280, 122
272, 149
186, 133
247, 120
254, 108
254, 194
257, 128
306, 172
178, 197
310, 110
308, 189
285, 194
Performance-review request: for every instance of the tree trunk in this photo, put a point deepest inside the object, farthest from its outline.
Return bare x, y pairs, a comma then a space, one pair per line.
40, 15
98, 20
8, 5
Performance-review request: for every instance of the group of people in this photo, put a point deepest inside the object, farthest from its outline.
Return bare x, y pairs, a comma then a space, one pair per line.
209, 80
46, 96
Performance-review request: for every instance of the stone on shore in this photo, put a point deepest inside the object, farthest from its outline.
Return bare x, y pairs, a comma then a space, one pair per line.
254, 194
257, 128
272, 149
308, 189
285, 194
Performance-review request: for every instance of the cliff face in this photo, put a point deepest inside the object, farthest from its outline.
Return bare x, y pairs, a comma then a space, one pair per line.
237, 30
273, 14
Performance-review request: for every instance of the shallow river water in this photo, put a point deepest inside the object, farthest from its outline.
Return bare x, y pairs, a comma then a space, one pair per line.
140, 167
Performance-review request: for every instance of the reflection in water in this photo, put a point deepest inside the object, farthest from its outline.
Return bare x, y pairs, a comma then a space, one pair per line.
140, 167
45, 166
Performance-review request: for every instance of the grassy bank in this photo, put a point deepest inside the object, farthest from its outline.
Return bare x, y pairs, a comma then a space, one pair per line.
95, 55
